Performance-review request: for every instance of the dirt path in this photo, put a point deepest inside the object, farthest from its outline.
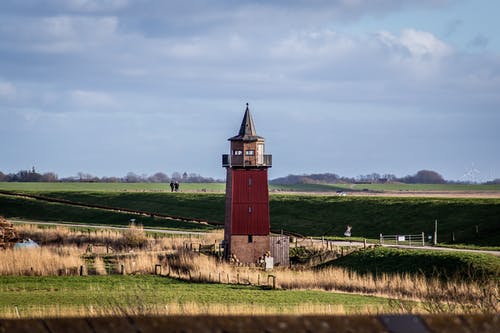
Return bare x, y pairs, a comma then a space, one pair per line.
429, 248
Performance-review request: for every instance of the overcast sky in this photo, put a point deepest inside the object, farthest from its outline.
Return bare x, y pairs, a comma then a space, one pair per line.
348, 86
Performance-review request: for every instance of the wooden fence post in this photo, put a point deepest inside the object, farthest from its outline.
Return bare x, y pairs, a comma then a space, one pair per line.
122, 269
81, 270
157, 269
274, 280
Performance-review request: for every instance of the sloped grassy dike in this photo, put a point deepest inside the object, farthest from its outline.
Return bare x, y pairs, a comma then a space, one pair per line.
442, 264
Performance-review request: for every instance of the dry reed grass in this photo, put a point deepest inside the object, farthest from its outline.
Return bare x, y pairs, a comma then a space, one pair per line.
117, 240
177, 261
438, 296
40, 261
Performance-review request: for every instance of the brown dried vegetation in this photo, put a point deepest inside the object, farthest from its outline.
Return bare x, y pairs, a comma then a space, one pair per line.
174, 257
8, 235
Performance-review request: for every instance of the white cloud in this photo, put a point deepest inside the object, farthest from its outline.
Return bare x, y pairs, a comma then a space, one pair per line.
58, 34
94, 5
419, 54
424, 44
414, 44
313, 44
91, 99
67, 33
7, 90
342, 59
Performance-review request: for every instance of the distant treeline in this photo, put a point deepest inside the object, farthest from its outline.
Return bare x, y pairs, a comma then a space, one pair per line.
421, 177
159, 177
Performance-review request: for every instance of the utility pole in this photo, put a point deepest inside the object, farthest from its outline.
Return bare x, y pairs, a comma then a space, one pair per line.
435, 232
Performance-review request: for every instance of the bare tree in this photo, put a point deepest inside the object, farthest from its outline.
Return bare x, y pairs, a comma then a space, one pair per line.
132, 178
87, 177
424, 177
159, 177
49, 177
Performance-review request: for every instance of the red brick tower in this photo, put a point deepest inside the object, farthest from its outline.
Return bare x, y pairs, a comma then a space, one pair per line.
246, 230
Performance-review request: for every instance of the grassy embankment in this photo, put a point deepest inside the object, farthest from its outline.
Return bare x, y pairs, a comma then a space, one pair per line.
304, 214
146, 294
448, 265
30, 209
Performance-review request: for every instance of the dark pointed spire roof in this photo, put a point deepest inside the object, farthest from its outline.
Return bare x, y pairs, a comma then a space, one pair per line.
247, 129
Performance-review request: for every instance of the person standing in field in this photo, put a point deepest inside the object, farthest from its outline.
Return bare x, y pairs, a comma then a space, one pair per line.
176, 185
172, 186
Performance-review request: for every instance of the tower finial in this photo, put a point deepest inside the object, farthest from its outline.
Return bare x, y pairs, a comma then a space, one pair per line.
247, 105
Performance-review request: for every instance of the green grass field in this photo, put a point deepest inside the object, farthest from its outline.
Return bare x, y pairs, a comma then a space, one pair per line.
28, 292
109, 187
220, 187
447, 264
310, 215
473, 188
29, 209
370, 216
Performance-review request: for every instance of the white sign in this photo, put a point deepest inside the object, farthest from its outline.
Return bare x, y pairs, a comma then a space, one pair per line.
401, 238
269, 261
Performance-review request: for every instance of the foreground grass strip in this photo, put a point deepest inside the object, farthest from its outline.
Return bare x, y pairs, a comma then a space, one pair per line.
31, 295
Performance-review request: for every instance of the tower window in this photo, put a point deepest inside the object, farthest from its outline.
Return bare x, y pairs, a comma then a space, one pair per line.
249, 181
249, 209
250, 152
237, 152
250, 238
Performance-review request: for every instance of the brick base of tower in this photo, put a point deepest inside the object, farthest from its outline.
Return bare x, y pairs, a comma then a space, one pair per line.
249, 253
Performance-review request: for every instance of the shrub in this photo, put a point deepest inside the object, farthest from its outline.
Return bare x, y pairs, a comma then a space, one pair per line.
134, 236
